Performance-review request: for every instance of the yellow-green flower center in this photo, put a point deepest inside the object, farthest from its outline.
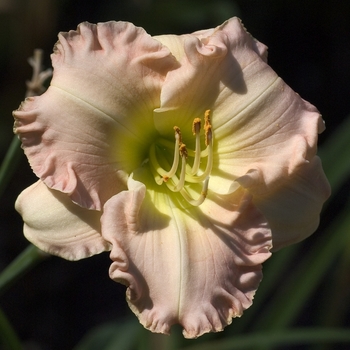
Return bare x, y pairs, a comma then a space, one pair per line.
183, 170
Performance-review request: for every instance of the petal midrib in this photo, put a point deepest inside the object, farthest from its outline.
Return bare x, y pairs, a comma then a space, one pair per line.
181, 255
244, 108
117, 121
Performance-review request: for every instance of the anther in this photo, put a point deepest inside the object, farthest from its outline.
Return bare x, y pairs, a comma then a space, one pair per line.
196, 128
178, 144
178, 134
183, 150
207, 128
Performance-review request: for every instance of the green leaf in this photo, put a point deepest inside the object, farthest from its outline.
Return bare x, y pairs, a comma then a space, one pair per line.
29, 258
335, 156
9, 163
292, 296
111, 336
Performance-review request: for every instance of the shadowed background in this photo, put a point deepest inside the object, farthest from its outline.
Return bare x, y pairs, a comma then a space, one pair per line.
58, 302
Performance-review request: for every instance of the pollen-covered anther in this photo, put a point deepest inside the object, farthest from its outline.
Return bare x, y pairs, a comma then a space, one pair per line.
183, 150
196, 126
208, 128
196, 129
178, 134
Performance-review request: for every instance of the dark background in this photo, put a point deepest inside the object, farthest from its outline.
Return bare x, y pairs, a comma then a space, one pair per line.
55, 304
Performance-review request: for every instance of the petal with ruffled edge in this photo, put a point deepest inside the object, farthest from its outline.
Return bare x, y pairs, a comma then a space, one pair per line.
57, 226
210, 66
264, 133
106, 82
293, 209
199, 267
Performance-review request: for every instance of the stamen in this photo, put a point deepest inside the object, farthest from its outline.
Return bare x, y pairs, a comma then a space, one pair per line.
209, 149
180, 185
196, 128
157, 178
207, 171
153, 158
201, 198
178, 141
175, 179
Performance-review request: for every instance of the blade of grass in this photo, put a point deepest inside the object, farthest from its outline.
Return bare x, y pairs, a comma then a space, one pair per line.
334, 158
9, 163
30, 257
34, 87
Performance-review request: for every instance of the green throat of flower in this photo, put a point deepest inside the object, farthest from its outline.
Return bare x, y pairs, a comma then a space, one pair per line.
182, 171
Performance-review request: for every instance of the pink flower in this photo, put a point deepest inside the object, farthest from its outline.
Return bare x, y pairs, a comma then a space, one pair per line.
186, 156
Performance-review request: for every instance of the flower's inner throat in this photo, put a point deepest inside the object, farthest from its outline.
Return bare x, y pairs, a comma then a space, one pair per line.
183, 172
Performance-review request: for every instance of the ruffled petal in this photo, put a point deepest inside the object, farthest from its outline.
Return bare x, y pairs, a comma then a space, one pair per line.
198, 268
265, 134
293, 209
192, 88
258, 121
211, 65
77, 135
57, 226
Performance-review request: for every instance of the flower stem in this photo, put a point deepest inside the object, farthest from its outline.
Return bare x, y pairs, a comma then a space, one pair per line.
30, 257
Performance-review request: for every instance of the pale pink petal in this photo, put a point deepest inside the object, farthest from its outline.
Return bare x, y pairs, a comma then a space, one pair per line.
78, 135
211, 66
57, 226
293, 209
199, 268
264, 132
257, 119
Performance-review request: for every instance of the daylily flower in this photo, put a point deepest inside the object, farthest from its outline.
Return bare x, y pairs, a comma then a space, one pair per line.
186, 156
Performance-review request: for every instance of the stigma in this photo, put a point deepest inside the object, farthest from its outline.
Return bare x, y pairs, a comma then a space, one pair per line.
186, 165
